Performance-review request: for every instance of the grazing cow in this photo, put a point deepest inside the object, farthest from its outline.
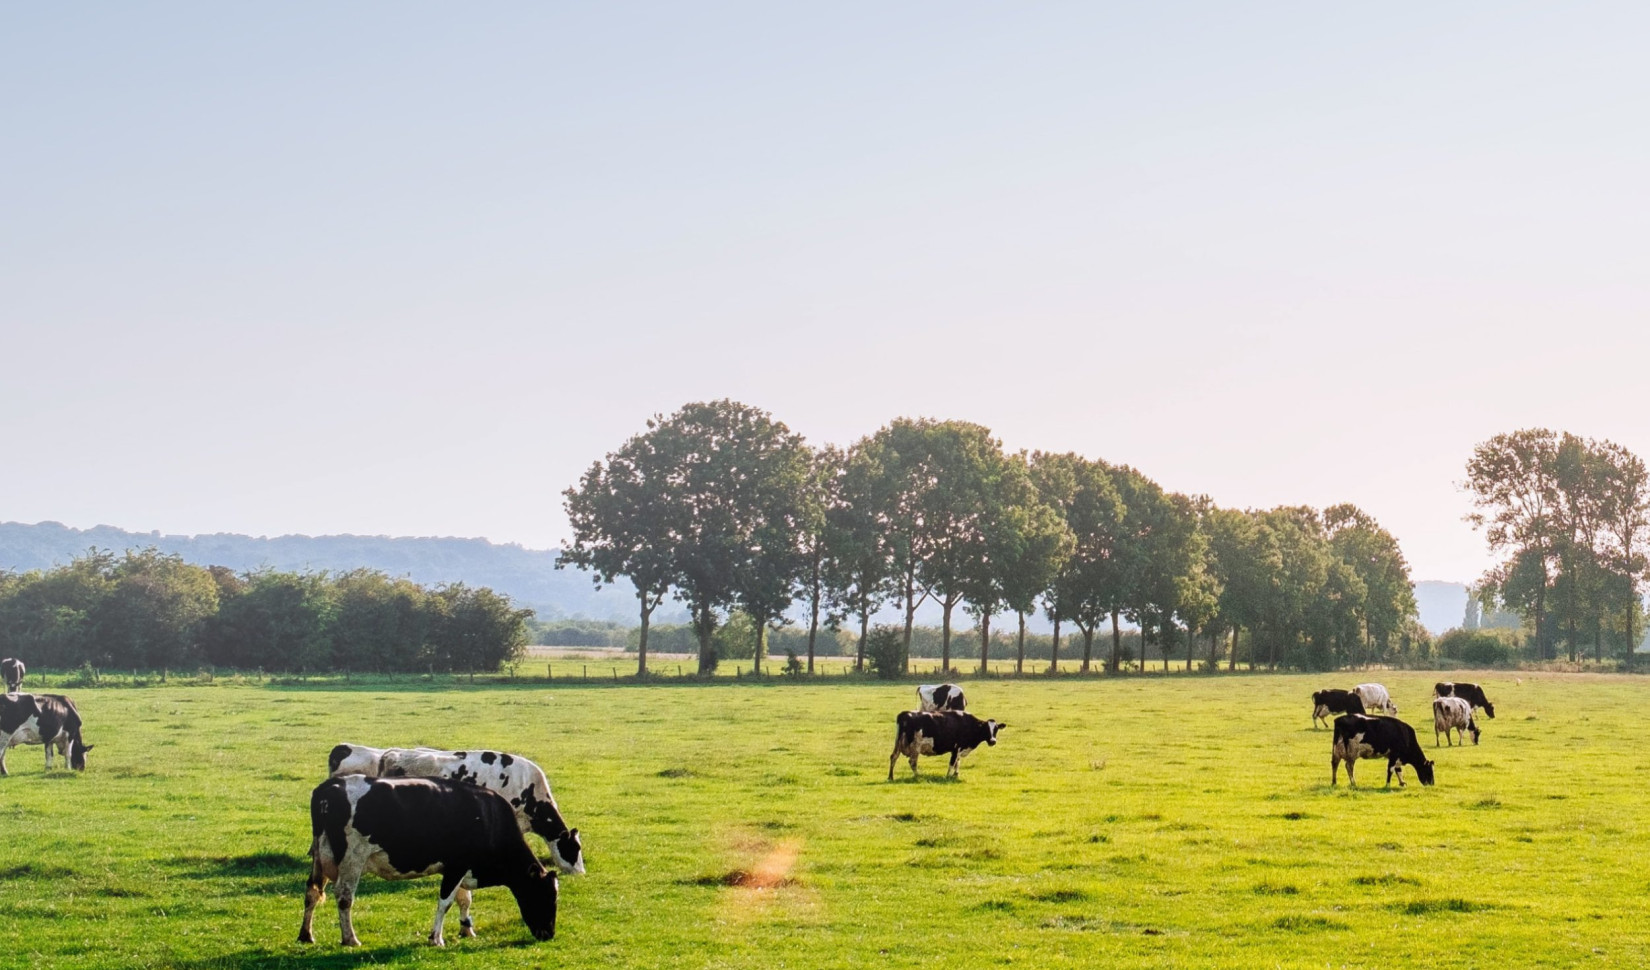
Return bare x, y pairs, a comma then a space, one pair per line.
1376, 698
519, 780
403, 828
12, 671
1361, 736
940, 732
48, 719
1452, 713
1334, 701
941, 697
1471, 693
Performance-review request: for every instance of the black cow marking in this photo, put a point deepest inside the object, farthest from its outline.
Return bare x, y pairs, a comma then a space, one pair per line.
487, 757
404, 828
1471, 693
46, 719
1361, 736
1334, 701
505, 760
939, 732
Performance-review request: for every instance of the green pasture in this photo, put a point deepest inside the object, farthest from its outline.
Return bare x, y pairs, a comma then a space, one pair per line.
1179, 821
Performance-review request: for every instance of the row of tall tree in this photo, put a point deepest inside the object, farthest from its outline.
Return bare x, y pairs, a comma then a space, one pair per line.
1569, 518
146, 609
725, 508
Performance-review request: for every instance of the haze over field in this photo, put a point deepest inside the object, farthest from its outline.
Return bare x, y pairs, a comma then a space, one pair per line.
341, 270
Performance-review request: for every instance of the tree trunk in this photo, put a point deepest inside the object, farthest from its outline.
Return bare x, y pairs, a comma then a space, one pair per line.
1231, 662
1020, 657
1054, 649
864, 629
1145, 637
945, 640
1088, 643
704, 625
1116, 643
1168, 631
985, 641
641, 649
1214, 651
910, 610
761, 644
813, 618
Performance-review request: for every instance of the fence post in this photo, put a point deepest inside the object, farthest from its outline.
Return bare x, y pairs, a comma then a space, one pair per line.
586, 669
548, 673
615, 675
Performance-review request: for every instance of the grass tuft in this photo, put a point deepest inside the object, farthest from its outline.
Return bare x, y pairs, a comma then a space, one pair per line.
1386, 879
1424, 907
1308, 924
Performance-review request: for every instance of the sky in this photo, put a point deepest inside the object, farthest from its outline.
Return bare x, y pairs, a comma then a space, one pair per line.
410, 268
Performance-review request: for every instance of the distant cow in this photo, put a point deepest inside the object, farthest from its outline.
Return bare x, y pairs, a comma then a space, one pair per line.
1471, 693
1452, 713
403, 828
939, 732
12, 672
48, 719
1361, 736
1376, 698
1334, 701
519, 780
941, 697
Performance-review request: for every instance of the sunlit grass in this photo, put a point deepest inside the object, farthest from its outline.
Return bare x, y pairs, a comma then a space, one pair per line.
1178, 821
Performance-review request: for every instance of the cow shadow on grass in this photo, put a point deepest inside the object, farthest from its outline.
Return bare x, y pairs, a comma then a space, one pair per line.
940, 779
317, 956
275, 870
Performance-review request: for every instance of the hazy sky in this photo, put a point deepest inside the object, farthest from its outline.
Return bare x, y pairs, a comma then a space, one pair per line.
409, 268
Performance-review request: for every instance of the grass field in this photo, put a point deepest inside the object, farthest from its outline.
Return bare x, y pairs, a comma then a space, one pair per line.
1138, 822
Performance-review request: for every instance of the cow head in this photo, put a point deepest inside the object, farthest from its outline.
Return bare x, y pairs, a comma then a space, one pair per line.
1472, 725
1423, 771
536, 895
1489, 709
77, 753
993, 727
568, 852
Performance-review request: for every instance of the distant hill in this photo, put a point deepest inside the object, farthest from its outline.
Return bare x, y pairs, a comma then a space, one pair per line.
527, 576
1443, 605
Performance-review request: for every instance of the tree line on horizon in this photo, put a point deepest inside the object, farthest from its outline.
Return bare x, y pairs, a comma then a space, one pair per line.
1569, 518
151, 610
726, 509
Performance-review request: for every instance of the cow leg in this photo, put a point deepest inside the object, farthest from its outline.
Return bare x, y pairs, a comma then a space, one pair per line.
49, 755
952, 771
1351, 782
449, 894
315, 893
1334, 770
347, 879
465, 926
893, 759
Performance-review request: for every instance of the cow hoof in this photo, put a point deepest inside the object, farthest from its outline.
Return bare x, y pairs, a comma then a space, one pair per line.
305, 938
352, 943
437, 941
469, 931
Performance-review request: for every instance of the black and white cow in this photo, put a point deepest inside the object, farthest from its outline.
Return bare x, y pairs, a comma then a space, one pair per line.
1471, 693
404, 828
519, 780
1334, 701
1361, 736
939, 732
48, 719
1453, 713
12, 670
941, 697
1376, 698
